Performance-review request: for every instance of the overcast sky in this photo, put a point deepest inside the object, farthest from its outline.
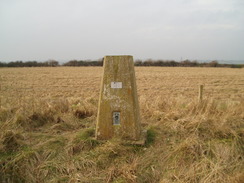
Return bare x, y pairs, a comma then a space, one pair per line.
90, 29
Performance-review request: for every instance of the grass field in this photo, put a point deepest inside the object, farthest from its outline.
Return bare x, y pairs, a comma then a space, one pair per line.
48, 115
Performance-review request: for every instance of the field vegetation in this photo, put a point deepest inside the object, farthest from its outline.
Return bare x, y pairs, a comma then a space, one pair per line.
48, 116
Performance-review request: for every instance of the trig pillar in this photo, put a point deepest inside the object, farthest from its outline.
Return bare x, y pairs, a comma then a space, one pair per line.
118, 110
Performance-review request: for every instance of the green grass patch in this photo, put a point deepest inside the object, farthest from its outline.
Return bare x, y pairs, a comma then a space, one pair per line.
151, 136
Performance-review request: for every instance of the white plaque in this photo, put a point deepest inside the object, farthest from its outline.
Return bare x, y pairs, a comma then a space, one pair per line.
116, 84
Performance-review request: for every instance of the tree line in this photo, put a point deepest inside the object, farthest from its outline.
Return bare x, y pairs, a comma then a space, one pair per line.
49, 63
184, 63
145, 63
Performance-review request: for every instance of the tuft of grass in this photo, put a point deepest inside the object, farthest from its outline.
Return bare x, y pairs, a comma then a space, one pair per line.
39, 119
13, 166
84, 140
85, 134
82, 114
12, 141
5, 114
151, 136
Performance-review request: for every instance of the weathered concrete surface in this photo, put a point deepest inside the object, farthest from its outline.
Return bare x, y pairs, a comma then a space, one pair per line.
118, 94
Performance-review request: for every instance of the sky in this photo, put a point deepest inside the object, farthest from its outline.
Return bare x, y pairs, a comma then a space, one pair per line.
90, 29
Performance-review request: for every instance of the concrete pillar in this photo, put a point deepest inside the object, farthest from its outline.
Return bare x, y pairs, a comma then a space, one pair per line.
118, 110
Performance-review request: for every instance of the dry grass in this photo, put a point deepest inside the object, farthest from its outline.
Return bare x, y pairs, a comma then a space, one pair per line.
47, 121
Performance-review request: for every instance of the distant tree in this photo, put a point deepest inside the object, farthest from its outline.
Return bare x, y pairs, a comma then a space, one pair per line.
71, 63
213, 64
194, 63
83, 63
188, 63
138, 62
2, 64
148, 62
52, 63
173, 63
